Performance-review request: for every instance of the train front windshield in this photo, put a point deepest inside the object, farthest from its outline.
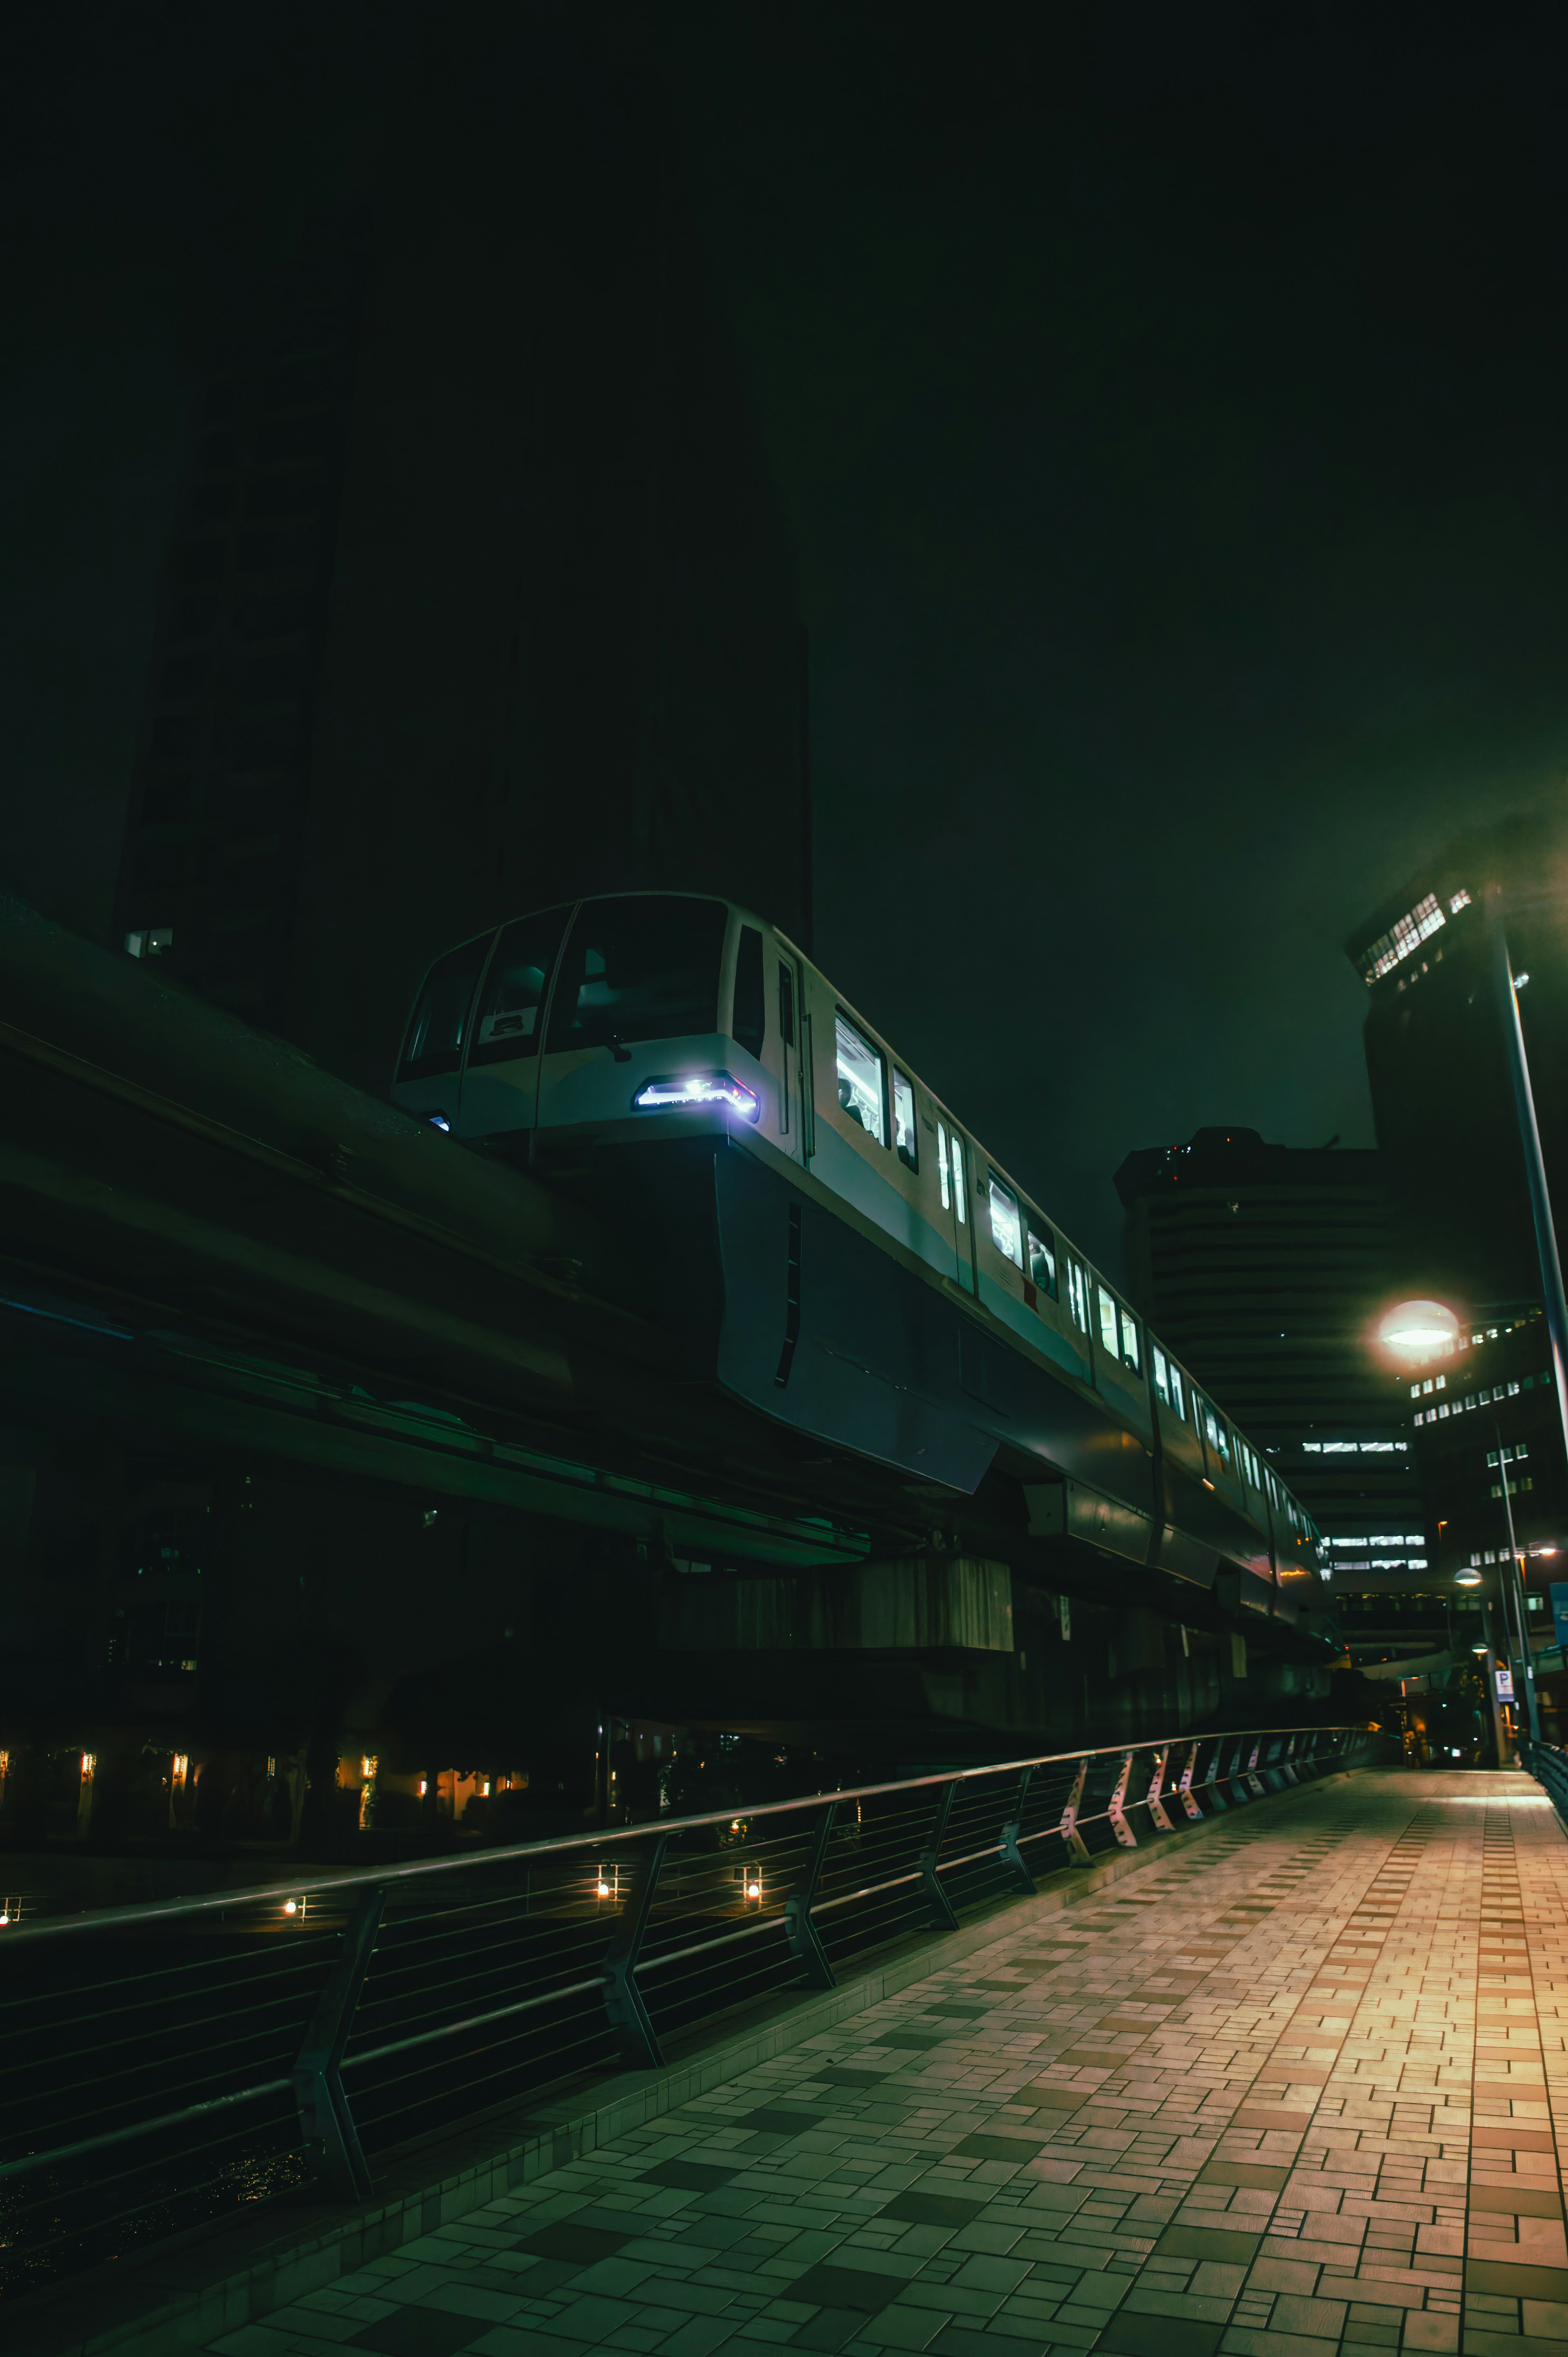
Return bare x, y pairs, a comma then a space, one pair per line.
642, 968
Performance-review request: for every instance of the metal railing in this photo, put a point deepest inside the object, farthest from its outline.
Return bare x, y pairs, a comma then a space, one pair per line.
164, 2064
1547, 1763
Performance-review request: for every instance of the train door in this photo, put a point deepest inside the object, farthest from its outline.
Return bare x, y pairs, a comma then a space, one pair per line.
955, 1181
794, 1069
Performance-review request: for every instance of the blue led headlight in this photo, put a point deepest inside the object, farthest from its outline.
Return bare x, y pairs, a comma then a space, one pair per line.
698, 1089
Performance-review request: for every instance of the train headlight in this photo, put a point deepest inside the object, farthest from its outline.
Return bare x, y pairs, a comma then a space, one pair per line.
698, 1089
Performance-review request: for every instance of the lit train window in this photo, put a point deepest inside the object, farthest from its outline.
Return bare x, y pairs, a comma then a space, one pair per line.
1078, 1295
957, 1180
861, 1079
1130, 1339
1162, 1371
1006, 1227
514, 1001
1108, 1323
942, 1167
440, 1024
904, 1136
1177, 1390
1043, 1263
645, 967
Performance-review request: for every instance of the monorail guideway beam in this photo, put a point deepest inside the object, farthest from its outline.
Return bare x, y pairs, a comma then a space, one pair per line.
236, 1245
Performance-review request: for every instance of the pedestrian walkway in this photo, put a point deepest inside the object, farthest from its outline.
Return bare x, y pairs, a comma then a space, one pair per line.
1299, 2085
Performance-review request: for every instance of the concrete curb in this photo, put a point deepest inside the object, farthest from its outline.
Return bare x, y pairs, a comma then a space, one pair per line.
215, 2280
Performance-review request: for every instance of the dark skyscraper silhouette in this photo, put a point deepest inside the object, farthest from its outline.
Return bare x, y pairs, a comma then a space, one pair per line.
479, 599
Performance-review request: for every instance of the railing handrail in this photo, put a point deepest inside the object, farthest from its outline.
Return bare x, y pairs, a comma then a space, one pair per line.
163, 1911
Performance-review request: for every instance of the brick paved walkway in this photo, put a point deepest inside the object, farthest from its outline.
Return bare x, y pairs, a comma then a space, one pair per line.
1298, 2085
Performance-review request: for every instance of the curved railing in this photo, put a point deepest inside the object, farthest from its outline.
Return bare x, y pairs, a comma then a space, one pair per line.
165, 2063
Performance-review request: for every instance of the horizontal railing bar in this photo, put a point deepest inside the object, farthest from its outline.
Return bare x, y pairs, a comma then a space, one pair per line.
700, 1948
473, 2021
143, 2127
365, 1877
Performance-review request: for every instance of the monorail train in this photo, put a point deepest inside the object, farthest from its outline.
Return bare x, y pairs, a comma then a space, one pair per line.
852, 1260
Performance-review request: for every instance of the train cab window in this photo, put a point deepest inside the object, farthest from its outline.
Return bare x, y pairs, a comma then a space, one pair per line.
512, 1007
645, 966
1078, 1295
438, 1031
1042, 1253
1006, 1227
942, 1167
904, 1137
862, 1079
1130, 1341
748, 1027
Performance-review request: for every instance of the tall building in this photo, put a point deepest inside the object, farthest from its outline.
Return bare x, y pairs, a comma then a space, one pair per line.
1437, 1059
1264, 1268
479, 598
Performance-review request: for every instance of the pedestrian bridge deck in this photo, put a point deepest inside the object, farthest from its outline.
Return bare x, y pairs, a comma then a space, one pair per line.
1301, 2083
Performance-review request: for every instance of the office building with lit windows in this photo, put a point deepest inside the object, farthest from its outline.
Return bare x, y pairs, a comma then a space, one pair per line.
1265, 1266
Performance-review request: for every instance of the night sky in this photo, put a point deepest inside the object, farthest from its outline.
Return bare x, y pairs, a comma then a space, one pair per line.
1167, 405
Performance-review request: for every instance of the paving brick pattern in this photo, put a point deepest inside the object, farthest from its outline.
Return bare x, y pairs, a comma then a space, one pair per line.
1299, 2086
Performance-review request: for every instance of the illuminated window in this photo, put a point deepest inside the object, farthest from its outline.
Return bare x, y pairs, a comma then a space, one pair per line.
1006, 1227
861, 1080
1043, 1262
1108, 1334
904, 1136
1078, 1295
1130, 1340
1403, 939
942, 1167
959, 1186
1162, 1378
1177, 1401
1461, 900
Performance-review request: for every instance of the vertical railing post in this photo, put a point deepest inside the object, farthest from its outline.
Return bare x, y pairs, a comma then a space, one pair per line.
1185, 1787
942, 1916
1077, 1847
1012, 1858
623, 1998
1116, 1812
1155, 1805
1254, 1777
805, 1940
327, 2125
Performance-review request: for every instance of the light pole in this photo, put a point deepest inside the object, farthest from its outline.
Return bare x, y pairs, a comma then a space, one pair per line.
1534, 1168
1516, 1589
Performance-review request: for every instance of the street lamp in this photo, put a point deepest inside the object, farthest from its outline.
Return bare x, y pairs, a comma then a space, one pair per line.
1416, 1328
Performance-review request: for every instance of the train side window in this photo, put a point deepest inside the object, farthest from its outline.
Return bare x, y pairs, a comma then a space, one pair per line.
1162, 1373
1006, 1227
1214, 1432
786, 1004
439, 1027
942, 1167
1177, 1390
862, 1079
512, 1010
1042, 1254
748, 1027
904, 1136
957, 1180
1108, 1335
1078, 1295
1130, 1340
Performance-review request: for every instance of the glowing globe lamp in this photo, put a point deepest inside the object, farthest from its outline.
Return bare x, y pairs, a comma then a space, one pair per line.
1418, 1326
